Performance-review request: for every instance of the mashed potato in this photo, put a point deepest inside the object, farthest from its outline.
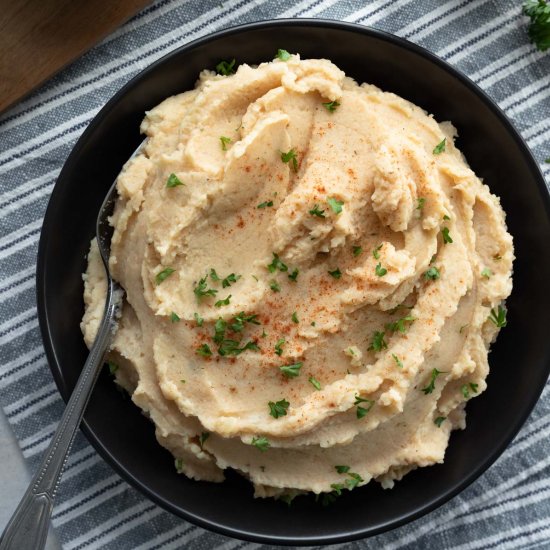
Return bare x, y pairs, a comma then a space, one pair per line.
313, 278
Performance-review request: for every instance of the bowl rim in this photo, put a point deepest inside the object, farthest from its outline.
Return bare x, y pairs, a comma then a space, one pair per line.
57, 372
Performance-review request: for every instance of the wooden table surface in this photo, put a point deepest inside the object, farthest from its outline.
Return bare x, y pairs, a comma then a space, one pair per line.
40, 37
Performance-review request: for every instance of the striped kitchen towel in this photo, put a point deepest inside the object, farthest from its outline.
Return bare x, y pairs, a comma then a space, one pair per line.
508, 507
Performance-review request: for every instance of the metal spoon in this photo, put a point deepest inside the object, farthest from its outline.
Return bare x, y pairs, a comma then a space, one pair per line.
28, 527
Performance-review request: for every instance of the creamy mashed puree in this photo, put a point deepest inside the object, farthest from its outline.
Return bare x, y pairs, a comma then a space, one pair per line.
313, 278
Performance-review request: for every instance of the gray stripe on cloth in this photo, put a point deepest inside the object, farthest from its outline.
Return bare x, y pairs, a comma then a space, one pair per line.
508, 507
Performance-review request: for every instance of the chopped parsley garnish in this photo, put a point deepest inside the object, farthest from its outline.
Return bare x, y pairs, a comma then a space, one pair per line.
274, 286
397, 360
224, 142
439, 420
473, 387
294, 275
201, 289
261, 443
163, 275
378, 343
376, 252
295, 317
379, 270
420, 202
219, 330
315, 211
290, 156
446, 236
336, 273
461, 329
432, 273
278, 408
213, 275
432, 259
440, 147
498, 317
399, 325
331, 106
113, 367
356, 250
174, 317
231, 347
465, 391
335, 205
539, 26
173, 181
279, 346
431, 386
342, 469
198, 319
239, 321
486, 273
203, 437
291, 371
362, 411
314, 382
226, 68
446, 218
224, 302
276, 263
204, 350
179, 465
283, 55
231, 278
265, 204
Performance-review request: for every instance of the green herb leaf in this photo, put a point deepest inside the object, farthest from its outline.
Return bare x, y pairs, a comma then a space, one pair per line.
336, 273
362, 411
279, 346
539, 26
203, 437
226, 68
486, 273
399, 325
432, 273
213, 275
219, 330
379, 270
276, 263
198, 319
315, 211
225, 141
274, 286
202, 290
265, 204
173, 181
163, 275
376, 253
291, 371
473, 387
295, 318
397, 360
465, 391
446, 218
204, 350
420, 202
314, 382
279, 408
357, 250
113, 367
294, 275
439, 420
283, 55
331, 106
498, 317
431, 386
239, 321
224, 302
179, 465
440, 147
231, 347
231, 278
342, 469
174, 317
378, 343
335, 205
261, 443
446, 236
290, 156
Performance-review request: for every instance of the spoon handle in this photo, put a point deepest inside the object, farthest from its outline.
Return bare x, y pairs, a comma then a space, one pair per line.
28, 527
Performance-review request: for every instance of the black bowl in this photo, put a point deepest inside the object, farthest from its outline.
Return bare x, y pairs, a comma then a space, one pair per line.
519, 359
